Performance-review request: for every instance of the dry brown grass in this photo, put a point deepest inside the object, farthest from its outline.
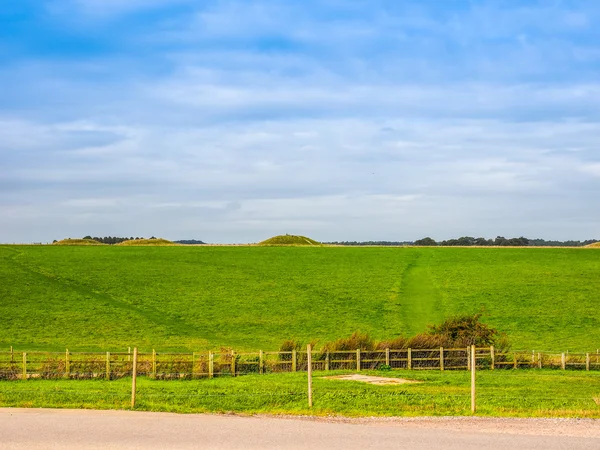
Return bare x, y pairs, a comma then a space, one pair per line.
78, 242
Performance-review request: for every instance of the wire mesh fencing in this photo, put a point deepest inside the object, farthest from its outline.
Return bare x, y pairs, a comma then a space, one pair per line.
171, 365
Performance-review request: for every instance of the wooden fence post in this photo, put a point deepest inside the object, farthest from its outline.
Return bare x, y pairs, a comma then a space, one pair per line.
154, 364
133, 377
24, 365
12, 355
309, 357
192, 372
515, 365
539, 360
67, 365
211, 364
232, 363
409, 359
442, 359
261, 363
587, 362
128, 353
107, 366
294, 359
358, 359
493, 357
563, 361
473, 367
468, 359
387, 357
327, 361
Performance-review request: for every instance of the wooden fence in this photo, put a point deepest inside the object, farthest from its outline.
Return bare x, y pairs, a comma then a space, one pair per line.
112, 365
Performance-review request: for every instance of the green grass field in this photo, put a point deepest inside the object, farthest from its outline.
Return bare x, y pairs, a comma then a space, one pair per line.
197, 298
533, 393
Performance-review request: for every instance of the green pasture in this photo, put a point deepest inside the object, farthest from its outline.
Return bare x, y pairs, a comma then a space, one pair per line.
535, 393
107, 298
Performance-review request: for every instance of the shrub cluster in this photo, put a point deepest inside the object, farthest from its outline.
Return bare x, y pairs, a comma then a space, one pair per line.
456, 332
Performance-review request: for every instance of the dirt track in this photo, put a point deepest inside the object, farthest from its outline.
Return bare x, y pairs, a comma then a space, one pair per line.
70, 429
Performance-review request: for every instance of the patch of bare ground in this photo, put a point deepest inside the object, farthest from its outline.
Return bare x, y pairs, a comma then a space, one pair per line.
372, 379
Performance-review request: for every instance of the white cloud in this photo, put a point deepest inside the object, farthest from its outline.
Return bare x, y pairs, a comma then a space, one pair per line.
592, 169
104, 9
240, 119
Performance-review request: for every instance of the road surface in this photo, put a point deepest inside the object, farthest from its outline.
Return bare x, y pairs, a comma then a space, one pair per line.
77, 429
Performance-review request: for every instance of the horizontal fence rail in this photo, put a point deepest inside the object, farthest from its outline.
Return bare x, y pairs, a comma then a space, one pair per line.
159, 365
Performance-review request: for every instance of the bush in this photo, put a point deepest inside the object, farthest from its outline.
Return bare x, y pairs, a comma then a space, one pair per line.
455, 332
465, 330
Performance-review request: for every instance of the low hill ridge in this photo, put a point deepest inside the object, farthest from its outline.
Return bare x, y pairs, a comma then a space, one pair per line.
289, 239
69, 241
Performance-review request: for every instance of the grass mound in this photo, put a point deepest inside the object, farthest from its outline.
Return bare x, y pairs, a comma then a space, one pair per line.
77, 242
289, 239
594, 245
157, 241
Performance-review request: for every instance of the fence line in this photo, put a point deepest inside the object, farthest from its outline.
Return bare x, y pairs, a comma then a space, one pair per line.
172, 365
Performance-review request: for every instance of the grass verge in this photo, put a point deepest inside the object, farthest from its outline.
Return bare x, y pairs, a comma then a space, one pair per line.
539, 393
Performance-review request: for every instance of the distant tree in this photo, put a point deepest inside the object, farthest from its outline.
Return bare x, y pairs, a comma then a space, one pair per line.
518, 242
500, 240
483, 241
426, 242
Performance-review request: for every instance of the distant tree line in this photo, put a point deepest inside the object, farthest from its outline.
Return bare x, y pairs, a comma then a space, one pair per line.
468, 241
189, 242
501, 241
114, 239
543, 243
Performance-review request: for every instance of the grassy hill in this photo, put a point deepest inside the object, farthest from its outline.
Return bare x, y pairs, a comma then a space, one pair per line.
198, 298
594, 245
289, 239
77, 242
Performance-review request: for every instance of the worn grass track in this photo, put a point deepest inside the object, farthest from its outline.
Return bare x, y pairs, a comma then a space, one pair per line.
419, 297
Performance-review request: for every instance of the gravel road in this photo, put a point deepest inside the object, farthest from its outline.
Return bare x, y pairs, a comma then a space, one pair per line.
76, 429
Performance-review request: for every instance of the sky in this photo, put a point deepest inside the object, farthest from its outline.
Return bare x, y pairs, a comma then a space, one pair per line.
231, 121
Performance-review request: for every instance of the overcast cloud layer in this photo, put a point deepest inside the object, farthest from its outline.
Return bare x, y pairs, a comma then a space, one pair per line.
231, 121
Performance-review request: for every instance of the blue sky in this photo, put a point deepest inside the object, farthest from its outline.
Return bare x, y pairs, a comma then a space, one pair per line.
231, 121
